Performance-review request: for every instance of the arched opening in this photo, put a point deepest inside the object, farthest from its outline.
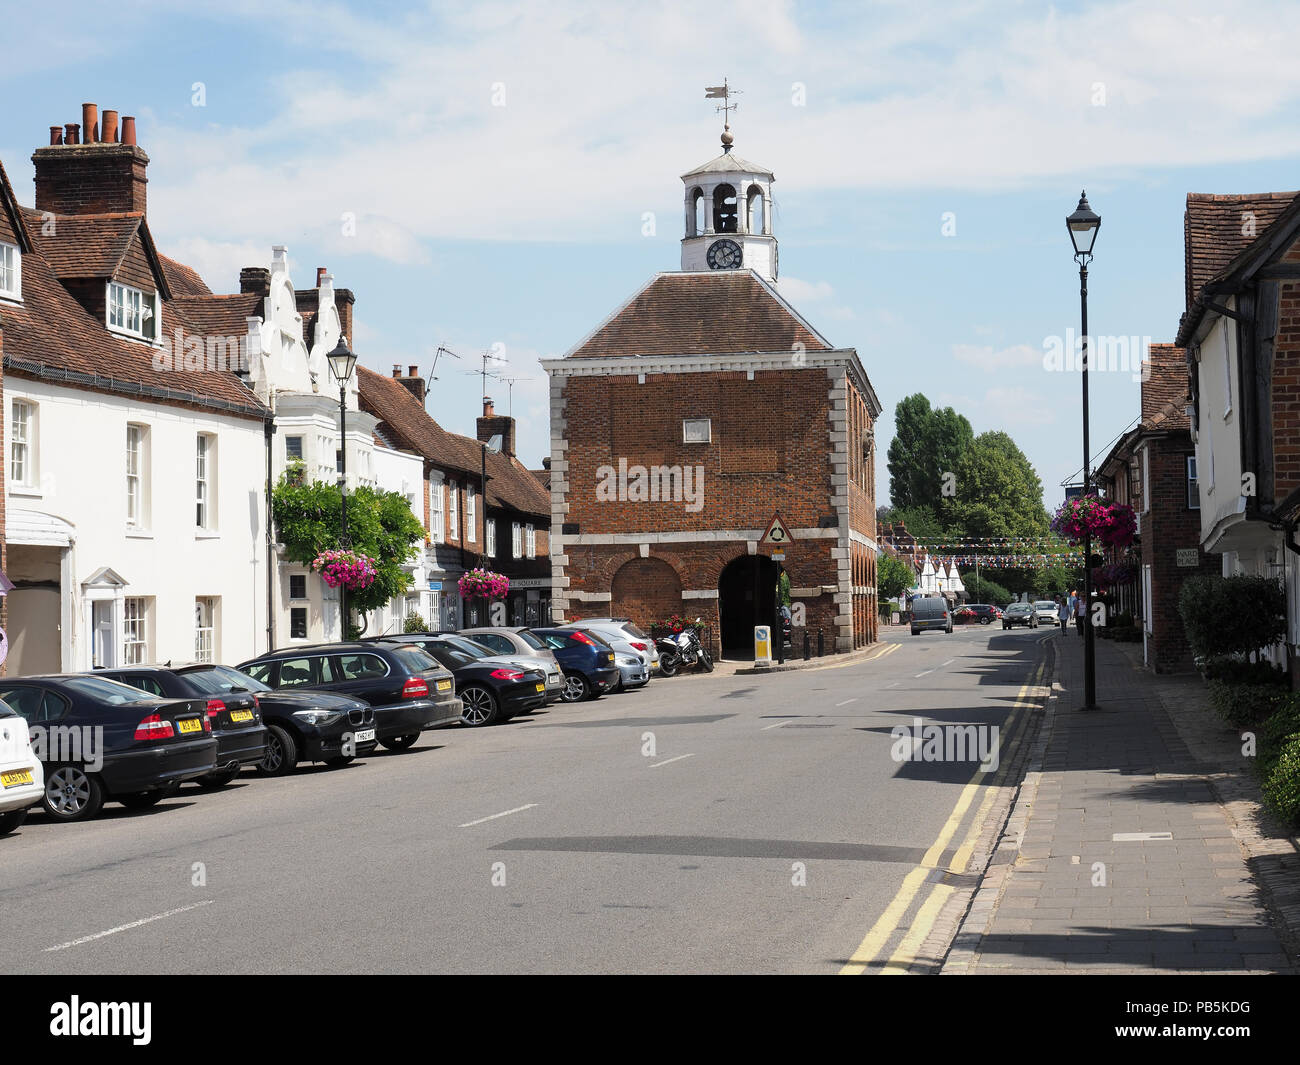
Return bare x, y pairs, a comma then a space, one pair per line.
698, 217
747, 596
646, 590
755, 218
724, 209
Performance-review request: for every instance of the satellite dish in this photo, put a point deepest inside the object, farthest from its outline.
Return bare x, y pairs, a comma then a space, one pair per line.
494, 444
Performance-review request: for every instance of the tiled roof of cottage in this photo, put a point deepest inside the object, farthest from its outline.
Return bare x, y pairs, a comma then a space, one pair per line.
184, 280
91, 245
719, 312
1216, 229
1164, 392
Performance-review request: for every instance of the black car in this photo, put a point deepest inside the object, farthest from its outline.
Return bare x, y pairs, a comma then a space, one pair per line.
985, 613
587, 661
232, 709
491, 689
99, 740
1020, 614
408, 691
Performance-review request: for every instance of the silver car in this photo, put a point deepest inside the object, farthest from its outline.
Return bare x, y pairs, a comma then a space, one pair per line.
629, 631
517, 642
635, 658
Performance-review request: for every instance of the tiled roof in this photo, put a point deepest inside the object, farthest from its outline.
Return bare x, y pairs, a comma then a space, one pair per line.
84, 245
184, 280
1164, 392
406, 423
220, 315
702, 314
1216, 229
728, 161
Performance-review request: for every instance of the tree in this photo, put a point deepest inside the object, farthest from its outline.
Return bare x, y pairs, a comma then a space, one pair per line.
893, 577
927, 445
982, 590
380, 524
997, 491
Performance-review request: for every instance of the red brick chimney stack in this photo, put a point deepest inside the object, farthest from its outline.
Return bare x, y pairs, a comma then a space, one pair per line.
493, 424
413, 382
88, 171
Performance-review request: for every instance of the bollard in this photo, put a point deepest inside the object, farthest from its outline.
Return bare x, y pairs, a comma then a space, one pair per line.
821, 646
807, 646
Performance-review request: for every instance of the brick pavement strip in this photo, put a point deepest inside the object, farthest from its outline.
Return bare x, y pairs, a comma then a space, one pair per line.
1221, 896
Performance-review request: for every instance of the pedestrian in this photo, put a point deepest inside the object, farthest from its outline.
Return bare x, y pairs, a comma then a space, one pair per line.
1080, 613
1062, 612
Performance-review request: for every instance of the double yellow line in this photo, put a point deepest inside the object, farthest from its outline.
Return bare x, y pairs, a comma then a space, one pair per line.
889, 921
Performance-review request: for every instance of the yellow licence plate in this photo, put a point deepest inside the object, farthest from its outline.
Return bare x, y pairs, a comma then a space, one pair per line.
190, 724
541, 687
444, 685
16, 777
241, 715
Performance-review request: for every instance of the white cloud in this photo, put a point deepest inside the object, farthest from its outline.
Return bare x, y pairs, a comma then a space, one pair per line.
986, 358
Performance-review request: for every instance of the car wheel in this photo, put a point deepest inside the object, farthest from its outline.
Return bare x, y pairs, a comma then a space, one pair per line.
142, 800
576, 688
11, 820
218, 780
401, 743
479, 706
72, 794
985, 621
1005, 626
618, 686
281, 753
339, 761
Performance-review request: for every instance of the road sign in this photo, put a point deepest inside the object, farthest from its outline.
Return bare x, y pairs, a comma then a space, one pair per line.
762, 645
777, 534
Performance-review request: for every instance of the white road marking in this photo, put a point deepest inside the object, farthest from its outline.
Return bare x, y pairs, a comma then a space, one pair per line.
847, 701
924, 672
777, 725
677, 759
127, 927
1140, 837
493, 817
891, 684
948, 663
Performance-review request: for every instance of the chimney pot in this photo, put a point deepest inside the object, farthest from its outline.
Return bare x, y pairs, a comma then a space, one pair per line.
108, 128
71, 133
487, 406
320, 275
397, 369
56, 135
128, 129
89, 122
412, 371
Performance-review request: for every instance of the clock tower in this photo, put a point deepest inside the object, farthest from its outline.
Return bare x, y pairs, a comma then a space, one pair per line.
729, 215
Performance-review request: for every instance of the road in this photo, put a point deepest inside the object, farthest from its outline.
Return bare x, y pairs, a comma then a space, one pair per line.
703, 824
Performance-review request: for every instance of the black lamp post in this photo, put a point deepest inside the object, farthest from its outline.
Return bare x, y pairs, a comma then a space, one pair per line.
342, 362
1083, 226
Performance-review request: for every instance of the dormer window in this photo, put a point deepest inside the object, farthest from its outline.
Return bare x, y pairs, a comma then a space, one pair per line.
11, 272
132, 312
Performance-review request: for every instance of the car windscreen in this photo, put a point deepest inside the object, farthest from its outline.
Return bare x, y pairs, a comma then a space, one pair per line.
218, 680
468, 646
631, 626
451, 656
103, 690
416, 659
531, 640
1044, 604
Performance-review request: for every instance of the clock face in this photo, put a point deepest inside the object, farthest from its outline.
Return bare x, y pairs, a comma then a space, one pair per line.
724, 255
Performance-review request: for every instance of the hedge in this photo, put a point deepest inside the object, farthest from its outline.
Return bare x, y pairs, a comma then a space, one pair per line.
1225, 616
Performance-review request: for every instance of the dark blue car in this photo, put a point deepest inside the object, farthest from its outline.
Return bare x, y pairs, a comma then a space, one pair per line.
587, 662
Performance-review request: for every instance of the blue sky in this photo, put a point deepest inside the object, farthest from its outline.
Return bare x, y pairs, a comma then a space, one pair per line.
499, 160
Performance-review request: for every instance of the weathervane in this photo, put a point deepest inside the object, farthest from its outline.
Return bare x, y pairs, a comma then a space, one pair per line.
723, 92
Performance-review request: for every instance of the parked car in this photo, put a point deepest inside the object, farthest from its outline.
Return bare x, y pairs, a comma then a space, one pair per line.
929, 613
102, 741
588, 662
1046, 610
408, 691
22, 777
985, 613
635, 658
232, 710
1019, 614
492, 688
633, 633
520, 645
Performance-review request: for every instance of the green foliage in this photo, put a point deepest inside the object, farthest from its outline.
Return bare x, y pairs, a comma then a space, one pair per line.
380, 524
415, 623
1245, 705
1280, 727
893, 577
998, 492
1281, 783
1225, 616
982, 590
783, 589
927, 444
1235, 671
920, 521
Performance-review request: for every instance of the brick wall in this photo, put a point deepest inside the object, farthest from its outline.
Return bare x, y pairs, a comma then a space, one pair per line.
90, 178
1286, 391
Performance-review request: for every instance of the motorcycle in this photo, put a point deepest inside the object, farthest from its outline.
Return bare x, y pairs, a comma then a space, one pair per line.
683, 649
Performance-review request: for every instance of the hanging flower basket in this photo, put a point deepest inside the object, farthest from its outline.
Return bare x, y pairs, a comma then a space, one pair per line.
1112, 524
348, 569
1114, 576
483, 583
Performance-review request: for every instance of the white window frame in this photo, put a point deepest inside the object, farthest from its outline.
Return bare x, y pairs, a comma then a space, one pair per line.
205, 482
692, 426
135, 630
205, 636
302, 450
1193, 486
131, 311
1146, 480
11, 263
1227, 371
22, 434
531, 537
516, 540
453, 511
490, 538
437, 529
137, 475
471, 516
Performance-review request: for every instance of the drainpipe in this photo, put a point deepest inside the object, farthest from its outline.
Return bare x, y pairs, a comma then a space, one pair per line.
268, 428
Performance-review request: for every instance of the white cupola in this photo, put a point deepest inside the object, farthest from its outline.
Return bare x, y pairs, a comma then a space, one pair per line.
729, 215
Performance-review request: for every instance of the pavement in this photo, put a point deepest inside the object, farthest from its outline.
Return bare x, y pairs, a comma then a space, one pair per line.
1136, 843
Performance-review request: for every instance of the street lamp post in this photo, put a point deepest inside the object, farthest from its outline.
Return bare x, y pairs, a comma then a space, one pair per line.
342, 362
1083, 225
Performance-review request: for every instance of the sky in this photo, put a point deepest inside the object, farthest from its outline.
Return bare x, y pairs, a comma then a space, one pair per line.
480, 175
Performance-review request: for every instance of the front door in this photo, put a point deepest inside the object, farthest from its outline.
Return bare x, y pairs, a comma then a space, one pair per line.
101, 623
